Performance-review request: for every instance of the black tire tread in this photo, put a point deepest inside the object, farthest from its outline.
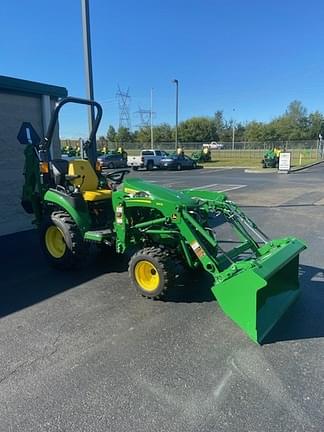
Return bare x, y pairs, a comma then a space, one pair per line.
166, 262
77, 249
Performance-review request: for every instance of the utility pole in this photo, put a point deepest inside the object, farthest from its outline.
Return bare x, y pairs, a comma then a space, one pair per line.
151, 115
233, 134
92, 150
176, 82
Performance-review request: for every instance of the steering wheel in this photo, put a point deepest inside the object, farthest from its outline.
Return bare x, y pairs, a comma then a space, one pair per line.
117, 176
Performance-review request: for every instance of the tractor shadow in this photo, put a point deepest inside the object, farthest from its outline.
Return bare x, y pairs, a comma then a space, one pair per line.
192, 287
304, 319
27, 279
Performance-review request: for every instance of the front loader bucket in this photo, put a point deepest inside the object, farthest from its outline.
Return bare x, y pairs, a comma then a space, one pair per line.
257, 296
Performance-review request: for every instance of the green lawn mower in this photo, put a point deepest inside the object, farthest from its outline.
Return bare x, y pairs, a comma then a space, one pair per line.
75, 205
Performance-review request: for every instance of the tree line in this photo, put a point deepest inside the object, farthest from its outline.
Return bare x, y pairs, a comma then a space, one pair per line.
293, 125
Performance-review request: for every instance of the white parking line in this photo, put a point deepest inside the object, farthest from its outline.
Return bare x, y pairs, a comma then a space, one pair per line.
217, 186
206, 186
233, 188
219, 189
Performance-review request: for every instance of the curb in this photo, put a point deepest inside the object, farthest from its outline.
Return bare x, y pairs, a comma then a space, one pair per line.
255, 171
222, 167
252, 171
305, 166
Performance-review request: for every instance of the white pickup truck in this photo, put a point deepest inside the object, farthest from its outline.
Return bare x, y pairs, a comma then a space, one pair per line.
148, 159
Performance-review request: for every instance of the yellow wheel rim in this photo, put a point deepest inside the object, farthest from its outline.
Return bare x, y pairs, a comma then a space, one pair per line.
55, 243
147, 276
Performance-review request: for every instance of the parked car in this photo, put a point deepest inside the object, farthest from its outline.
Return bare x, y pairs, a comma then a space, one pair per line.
214, 145
112, 161
177, 162
148, 159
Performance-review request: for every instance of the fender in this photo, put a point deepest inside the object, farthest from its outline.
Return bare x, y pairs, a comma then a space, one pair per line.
75, 206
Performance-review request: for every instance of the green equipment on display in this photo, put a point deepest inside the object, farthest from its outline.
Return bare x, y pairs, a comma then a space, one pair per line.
75, 205
119, 151
271, 159
203, 155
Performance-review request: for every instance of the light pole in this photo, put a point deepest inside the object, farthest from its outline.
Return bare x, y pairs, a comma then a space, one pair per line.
152, 138
176, 82
233, 134
92, 150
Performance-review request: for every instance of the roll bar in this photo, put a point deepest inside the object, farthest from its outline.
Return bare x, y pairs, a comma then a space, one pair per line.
47, 140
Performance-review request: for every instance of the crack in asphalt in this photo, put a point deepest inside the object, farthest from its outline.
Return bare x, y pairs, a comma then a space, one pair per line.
45, 354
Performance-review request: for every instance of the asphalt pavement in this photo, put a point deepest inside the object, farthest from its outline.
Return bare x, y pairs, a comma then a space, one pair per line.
81, 351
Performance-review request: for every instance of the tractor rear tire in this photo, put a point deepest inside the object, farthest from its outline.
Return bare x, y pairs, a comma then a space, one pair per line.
62, 242
153, 272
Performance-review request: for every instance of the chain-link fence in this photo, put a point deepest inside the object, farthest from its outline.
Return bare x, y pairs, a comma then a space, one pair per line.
244, 145
302, 151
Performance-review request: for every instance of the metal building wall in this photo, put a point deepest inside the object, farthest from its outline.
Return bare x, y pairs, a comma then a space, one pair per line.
18, 106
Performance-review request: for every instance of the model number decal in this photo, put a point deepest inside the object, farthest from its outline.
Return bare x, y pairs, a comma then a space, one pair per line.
119, 214
197, 249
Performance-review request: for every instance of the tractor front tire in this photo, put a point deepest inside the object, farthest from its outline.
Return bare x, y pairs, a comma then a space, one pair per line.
62, 242
152, 272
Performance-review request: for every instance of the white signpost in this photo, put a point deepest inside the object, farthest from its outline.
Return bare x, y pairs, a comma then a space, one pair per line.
284, 162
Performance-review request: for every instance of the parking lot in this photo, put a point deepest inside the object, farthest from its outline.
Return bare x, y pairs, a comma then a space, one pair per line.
81, 351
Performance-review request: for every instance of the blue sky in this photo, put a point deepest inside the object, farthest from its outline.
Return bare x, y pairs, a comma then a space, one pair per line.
254, 56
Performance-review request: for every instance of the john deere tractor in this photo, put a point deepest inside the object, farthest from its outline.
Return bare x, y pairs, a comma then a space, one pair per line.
202, 155
75, 205
270, 159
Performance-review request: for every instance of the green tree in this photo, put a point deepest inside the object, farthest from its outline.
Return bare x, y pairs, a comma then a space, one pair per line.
123, 135
197, 129
239, 131
293, 124
255, 131
143, 134
296, 111
111, 134
219, 124
162, 133
316, 125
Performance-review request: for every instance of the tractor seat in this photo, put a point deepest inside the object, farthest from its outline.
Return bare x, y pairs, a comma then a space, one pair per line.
88, 181
58, 169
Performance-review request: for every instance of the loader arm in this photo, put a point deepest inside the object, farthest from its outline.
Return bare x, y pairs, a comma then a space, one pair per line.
256, 291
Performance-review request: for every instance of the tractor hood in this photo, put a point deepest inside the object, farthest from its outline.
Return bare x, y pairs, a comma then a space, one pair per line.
155, 192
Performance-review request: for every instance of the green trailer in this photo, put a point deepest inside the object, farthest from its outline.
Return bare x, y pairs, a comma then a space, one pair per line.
75, 205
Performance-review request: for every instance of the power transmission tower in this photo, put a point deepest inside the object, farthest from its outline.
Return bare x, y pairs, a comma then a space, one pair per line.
145, 117
124, 99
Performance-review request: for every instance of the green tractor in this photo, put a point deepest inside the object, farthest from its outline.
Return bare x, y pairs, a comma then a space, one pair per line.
203, 155
270, 159
74, 205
